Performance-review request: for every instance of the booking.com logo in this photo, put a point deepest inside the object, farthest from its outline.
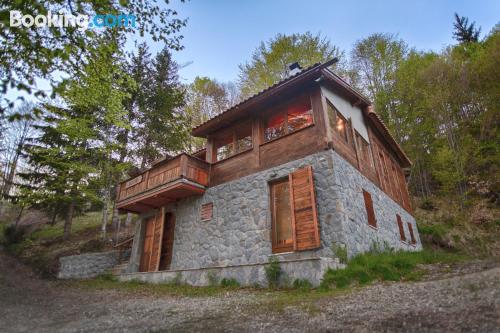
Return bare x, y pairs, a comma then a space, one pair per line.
62, 19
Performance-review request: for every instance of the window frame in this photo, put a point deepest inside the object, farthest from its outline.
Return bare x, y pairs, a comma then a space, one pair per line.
282, 109
333, 117
369, 155
233, 133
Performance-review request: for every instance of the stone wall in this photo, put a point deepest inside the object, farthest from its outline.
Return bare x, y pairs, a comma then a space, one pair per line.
351, 217
88, 265
311, 269
239, 232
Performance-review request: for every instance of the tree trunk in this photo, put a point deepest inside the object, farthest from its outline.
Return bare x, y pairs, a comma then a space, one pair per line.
54, 216
128, 220
18, 218
105, 213
69, 220
115, 222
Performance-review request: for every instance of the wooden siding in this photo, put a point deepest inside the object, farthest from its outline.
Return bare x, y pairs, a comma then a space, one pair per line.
264, 155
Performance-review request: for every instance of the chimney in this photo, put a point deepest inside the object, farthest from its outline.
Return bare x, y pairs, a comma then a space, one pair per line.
294, 68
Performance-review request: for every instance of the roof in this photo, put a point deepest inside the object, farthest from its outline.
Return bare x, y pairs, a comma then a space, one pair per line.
205, 128
318, 70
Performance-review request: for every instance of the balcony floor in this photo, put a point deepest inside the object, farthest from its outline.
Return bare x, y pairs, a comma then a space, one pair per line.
160, 196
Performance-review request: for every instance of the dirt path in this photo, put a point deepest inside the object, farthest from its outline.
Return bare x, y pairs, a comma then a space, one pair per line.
467, 302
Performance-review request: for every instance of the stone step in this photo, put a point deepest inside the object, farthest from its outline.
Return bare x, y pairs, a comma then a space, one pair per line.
118, 269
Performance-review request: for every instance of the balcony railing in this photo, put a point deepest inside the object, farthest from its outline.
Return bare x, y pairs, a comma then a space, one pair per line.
181, 172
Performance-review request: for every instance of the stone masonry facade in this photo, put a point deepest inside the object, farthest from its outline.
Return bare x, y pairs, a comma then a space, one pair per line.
239, 232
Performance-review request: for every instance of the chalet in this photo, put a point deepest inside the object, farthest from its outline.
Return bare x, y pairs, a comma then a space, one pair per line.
292, 172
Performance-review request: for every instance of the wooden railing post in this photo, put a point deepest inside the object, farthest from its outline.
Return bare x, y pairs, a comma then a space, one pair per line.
184, 166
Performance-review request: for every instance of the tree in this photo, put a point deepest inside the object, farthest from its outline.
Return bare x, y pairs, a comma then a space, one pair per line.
465, 32
270, 61
45, 51
17, 131
376, 59
160, 125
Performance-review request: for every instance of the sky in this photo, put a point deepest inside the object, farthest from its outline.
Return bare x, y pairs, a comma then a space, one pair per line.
221, 34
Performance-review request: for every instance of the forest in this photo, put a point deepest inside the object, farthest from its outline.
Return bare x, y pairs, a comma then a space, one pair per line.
112, 109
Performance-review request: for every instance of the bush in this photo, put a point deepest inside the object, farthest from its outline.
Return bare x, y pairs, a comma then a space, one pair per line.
229, 283
13, 235
427, 204
340, 251
302, 284
273, 272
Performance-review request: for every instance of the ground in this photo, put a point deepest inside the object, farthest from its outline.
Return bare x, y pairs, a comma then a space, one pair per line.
458, 297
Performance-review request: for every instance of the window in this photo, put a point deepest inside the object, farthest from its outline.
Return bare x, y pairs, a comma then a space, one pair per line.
206, 211
369, 209
294, 216
401, 228
412, 236
292, 117
234, 141
364, 151
338, 123
282, 219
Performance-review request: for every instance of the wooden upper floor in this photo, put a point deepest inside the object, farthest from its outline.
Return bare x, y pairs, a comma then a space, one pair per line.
309, 112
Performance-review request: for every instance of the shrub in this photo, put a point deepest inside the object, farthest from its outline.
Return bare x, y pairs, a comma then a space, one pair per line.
13, 235
427, 204
302, 284
229, 283
273, 272
340, 251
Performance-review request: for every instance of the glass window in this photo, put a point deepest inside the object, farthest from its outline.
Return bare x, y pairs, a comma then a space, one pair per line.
275, 127
342, 126
299, 115
224, 147
234, 141
282, 219
290, 118
244, 139
364, 151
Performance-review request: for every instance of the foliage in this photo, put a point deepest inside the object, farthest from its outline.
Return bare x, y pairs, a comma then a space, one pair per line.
155, 108
302, 284
229, 283
273, 272
270, 61
13, 234
385, 266
53, 50
340, 251
465, 32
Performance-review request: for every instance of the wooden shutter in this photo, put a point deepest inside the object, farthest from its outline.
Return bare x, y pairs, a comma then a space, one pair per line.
412, 236
303, 207
154, 262
401, 229
369, 209
148, 241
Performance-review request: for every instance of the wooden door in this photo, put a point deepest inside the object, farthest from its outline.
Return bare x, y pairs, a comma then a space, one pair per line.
150, 259
148, 242
167, 242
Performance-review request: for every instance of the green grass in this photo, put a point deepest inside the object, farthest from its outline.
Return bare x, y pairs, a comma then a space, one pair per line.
106, 282
80, 223
385, 266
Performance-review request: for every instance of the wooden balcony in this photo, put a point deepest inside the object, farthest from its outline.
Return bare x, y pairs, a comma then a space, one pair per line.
170, 180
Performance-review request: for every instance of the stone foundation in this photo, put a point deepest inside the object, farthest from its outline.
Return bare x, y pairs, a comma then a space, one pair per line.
88, 265
311, 269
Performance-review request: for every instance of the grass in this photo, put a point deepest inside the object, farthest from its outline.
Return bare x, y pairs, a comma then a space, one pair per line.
80, 223
386, 266
106, 282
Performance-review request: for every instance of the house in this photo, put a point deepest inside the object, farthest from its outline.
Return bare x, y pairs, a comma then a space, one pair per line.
290, 172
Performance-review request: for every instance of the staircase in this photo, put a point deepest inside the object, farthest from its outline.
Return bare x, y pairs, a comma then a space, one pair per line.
124, 248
